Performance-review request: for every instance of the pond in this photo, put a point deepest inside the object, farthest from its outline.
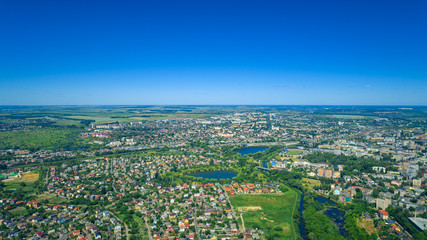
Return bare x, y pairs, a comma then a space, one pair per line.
76, 148
250, 150
324, 200
219, 174
337, 216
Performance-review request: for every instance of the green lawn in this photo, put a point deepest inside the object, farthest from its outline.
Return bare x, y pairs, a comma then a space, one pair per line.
51, 198
293, 153
270, 212
19, 211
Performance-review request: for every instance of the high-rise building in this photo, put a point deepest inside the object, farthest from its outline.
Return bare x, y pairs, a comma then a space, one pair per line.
382, 203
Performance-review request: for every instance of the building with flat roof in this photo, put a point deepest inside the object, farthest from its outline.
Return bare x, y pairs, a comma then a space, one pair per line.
420, 223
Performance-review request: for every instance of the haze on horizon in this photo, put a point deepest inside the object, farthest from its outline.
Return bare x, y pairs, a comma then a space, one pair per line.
213, 53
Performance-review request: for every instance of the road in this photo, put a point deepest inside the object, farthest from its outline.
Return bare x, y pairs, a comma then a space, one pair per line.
248, 144
126, 226
148, 228
108, 206
47, 177
228, 199
233, 212
113, 180
195, 223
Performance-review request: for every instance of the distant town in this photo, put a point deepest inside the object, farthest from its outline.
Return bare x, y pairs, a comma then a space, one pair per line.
214, 173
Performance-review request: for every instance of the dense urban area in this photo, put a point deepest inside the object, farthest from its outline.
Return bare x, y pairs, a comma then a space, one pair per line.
198, 172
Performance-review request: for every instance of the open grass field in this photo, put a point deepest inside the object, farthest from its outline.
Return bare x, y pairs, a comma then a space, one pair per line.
293, 153
18, 211
367, 225
310, 183
108, 117
26, 182
270, 212
28, 177
51, 198
65, 116
349, 116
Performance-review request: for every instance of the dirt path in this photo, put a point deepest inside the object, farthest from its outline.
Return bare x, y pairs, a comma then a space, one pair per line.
243, 223
249, 208
292, 216
108, 206
47, 177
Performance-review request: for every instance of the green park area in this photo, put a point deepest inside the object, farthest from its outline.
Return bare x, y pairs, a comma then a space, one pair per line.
293, 153
270, 212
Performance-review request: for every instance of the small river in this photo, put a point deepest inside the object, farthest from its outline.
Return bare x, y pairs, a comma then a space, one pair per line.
333, 213
302, 230
264, 164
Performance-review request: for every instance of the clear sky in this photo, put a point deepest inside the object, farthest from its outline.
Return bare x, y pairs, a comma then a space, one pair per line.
213, 52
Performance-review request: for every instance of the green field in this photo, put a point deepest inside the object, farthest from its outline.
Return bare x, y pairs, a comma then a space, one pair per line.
270, 212
310, 183
66, 116
51, 138
293, 153
349, 116
14, 186
52, 199
136, 118
19, 211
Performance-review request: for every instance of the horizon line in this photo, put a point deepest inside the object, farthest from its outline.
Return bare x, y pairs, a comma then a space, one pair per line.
121, 105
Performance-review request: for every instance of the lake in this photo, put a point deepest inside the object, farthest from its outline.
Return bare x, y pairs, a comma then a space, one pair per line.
215, 174
250, 150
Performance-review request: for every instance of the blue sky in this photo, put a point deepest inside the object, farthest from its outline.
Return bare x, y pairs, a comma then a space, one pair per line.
213, 52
